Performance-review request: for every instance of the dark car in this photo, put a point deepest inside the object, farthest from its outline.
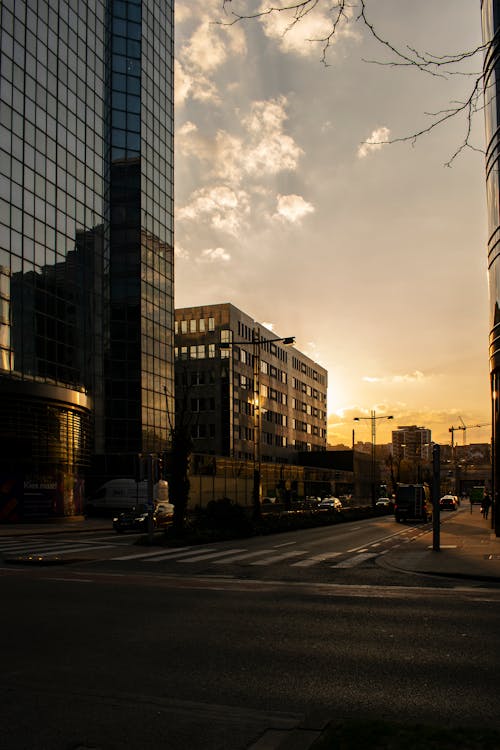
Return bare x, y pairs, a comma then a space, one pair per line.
135, 519
448, 502
330, 503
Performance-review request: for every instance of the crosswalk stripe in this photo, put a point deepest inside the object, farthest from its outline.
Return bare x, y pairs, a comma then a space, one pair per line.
180, 554
245, 556
313, 560
154, 553
356, 560
279, 558
211, 556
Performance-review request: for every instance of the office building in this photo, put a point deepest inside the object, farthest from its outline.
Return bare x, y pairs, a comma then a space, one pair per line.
491, 24
225, 363
86, 244
412, 444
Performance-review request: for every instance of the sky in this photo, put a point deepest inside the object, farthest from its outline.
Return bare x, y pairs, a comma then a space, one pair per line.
373, 256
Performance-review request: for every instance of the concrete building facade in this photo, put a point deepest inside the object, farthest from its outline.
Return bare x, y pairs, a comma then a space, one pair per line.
225, 363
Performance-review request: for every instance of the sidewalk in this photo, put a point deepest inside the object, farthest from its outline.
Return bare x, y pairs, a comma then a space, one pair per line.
67, 525
468, 549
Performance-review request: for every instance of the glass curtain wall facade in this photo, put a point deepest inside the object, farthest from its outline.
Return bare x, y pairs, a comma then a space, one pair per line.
491, 36
86, 238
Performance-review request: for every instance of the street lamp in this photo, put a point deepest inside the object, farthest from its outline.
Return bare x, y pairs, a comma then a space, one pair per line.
373, 418
257, 342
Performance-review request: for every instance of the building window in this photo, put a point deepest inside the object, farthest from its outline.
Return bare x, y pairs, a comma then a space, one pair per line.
202, 325
211, 351
192, 326
211, 324
225, 336
184, 326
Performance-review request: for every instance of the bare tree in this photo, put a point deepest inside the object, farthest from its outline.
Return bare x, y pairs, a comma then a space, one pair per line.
345, 13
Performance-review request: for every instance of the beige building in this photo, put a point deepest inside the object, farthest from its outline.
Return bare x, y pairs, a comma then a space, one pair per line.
243, 389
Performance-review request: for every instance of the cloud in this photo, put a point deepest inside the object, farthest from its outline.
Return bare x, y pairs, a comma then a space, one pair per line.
414, 377
378, 138
224, 208
264, 149
195, 86
205, 49
180, 252
304, 36
292, 208
269, 326
214, 255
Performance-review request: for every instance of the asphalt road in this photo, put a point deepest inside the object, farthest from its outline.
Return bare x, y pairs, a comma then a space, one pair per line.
134, 654
346, 552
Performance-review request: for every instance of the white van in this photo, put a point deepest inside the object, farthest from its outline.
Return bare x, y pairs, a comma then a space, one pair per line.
123, 494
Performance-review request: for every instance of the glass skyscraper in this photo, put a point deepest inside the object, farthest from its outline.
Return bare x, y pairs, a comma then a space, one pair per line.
86, 245
491, 30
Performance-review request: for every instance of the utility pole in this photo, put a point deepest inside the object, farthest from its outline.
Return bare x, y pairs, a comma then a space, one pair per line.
436, 491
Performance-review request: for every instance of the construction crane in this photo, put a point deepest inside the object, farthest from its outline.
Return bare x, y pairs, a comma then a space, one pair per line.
464, 427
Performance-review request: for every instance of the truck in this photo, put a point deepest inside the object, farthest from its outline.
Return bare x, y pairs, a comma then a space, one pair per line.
413, 503
124, 494
476, 495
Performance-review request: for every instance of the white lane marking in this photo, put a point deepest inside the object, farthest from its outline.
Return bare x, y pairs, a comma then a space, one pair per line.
245, 556
313, 560
179, 552
356, 560
156, 553
211, 556
285, 544
279, 558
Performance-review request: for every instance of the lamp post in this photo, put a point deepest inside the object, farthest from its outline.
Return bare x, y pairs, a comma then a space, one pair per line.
257, 342
373, 418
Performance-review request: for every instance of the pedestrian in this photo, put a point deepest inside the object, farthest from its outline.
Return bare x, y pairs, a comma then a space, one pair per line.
471, 502
486, 505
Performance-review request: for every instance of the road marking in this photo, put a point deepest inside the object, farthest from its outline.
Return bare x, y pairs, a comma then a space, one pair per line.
210, 556
356, 560
156, 553
279, 558
286, 544
313, 560
245, 556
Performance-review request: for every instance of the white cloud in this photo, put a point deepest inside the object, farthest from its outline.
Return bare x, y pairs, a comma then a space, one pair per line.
205, 49
180, 252
293, 208
414, 377
193, 85
226, 209
304, 37
214, 255
264, 150
378, 138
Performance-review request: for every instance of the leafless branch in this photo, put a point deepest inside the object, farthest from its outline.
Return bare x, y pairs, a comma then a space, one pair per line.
439, 66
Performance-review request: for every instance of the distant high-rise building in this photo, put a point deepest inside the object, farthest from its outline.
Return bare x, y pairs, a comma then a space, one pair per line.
412, 443
226, 362
86, 244
491, 36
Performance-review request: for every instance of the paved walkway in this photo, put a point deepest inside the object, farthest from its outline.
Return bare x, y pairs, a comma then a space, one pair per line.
468, 549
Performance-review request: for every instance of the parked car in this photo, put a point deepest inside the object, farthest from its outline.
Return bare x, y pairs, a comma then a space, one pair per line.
383, 502
330, 503
448, 502
136, 518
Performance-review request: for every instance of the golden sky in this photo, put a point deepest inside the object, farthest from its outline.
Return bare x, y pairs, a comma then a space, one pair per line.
287, 206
